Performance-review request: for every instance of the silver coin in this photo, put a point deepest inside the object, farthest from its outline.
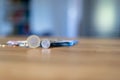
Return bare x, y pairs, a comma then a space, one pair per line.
45, 43
33, 41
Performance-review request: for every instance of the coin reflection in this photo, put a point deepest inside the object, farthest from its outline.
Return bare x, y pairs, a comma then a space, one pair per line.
46, 53
38, 54
34, 54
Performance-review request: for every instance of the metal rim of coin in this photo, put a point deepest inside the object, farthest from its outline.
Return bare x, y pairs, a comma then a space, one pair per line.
33, 41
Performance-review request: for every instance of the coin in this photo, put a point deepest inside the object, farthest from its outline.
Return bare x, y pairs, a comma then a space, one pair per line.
45, 43
33, 41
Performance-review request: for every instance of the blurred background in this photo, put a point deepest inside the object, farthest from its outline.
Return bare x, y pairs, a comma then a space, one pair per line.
60, 18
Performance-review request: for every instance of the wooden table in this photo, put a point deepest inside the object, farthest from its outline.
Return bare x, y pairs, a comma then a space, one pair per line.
90, 59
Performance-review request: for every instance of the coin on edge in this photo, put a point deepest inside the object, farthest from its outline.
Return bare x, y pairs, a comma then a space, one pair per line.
33, 41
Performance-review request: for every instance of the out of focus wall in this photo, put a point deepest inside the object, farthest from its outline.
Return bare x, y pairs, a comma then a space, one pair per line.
101, 18
5, 25
61, 18
57, 17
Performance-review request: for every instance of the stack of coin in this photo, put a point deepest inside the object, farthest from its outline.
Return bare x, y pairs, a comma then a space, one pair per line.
34, 41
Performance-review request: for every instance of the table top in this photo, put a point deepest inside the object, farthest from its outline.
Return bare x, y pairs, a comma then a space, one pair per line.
90, 59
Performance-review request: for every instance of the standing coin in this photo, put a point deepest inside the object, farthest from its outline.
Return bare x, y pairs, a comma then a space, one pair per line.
33, 41
45, 43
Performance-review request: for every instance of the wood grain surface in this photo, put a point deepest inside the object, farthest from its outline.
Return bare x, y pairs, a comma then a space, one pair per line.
90, 59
